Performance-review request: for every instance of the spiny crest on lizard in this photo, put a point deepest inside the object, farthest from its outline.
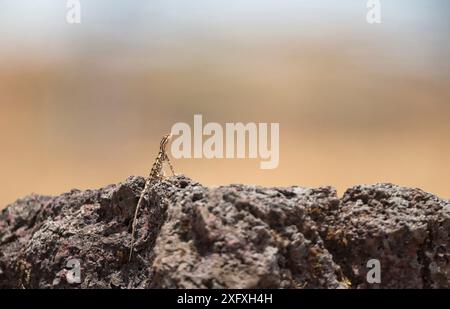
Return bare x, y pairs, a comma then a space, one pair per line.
156, 174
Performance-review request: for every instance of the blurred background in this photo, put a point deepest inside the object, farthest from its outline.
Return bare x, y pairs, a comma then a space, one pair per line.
84, 105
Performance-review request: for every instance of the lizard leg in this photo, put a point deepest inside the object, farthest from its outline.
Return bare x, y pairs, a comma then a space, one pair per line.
166, 158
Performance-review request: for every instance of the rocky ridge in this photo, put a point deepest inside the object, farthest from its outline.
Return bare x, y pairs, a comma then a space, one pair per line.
236, 236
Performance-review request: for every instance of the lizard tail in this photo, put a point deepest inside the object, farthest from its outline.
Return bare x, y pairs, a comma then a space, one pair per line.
133, 229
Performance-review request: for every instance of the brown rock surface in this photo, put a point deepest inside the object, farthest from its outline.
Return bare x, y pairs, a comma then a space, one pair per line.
237, 236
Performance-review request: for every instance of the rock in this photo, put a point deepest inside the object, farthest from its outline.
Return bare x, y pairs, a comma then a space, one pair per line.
191, 236
406, 230
240, 237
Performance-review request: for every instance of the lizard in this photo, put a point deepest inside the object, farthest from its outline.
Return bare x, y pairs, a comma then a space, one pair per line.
156, 174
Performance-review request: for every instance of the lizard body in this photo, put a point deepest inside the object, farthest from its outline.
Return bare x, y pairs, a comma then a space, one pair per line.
156, 174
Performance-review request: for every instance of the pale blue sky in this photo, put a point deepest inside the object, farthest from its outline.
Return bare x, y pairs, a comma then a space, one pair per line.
46, 17
413, 31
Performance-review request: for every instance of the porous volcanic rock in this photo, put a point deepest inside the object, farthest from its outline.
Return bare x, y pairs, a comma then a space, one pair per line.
236, 236
406, 230
241, 237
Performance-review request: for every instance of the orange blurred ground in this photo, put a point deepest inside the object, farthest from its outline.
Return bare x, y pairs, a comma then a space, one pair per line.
71, 123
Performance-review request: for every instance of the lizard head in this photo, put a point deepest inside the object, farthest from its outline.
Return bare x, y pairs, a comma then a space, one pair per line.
165, 140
